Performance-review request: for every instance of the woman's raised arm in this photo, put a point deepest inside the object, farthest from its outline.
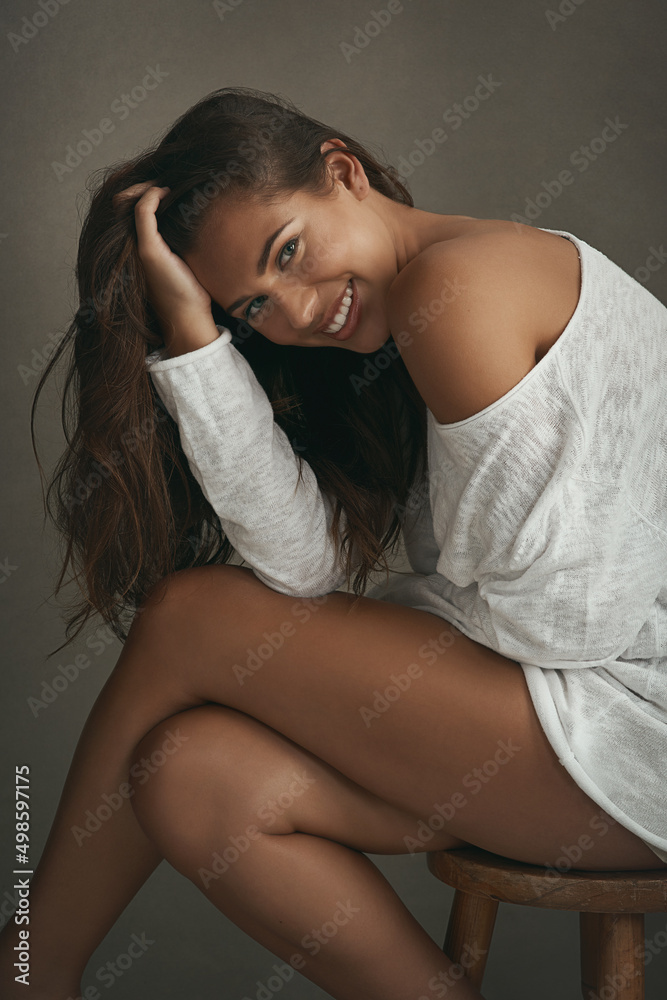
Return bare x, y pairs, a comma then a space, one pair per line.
247, 468
243, 461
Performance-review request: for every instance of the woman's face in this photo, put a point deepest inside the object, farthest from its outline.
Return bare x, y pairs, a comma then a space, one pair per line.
318, 246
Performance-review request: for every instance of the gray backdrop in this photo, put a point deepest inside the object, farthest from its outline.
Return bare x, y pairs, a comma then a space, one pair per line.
556, 75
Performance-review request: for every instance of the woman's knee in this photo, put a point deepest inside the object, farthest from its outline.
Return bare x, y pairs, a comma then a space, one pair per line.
164, 768
207, 768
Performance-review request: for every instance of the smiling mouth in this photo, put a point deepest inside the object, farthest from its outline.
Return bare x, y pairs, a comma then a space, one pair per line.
346, 318
341, 315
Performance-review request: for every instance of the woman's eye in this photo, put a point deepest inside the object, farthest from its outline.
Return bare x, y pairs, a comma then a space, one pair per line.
288, 244
292, 242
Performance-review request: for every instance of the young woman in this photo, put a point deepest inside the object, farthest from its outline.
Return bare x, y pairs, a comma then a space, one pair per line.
278, 356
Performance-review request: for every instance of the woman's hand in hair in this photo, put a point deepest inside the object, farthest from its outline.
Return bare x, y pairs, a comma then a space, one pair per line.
181, 304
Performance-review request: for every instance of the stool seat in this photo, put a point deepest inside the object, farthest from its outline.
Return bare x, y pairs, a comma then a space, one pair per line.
611, 906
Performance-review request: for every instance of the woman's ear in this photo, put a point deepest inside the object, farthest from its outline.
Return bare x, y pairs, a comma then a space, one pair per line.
345, 167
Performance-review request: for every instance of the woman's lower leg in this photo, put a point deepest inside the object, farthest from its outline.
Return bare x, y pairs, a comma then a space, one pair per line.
92, 867
327, 912
261, 827
86, 876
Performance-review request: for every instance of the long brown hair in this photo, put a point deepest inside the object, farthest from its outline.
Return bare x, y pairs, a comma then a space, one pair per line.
122, 494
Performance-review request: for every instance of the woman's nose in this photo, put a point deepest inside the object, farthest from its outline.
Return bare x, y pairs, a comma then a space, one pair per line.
299, 305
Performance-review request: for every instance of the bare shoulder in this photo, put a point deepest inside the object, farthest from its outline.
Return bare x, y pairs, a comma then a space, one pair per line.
472, 315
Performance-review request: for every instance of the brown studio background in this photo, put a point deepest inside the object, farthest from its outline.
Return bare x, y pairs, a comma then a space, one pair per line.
554, 75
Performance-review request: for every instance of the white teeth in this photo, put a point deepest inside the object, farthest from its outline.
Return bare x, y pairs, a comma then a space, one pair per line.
341, 316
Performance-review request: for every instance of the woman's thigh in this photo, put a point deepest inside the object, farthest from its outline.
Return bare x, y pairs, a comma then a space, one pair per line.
413, 712
234, 777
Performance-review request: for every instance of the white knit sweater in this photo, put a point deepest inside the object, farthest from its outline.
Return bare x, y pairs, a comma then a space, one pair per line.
540, 531
248, 469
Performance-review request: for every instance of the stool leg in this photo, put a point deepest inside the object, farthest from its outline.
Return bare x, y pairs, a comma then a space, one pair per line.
612, 955
469, 931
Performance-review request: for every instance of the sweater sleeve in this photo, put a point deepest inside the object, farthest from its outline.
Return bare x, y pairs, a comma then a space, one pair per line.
247, 468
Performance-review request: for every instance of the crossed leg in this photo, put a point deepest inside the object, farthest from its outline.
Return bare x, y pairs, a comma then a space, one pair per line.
372, 778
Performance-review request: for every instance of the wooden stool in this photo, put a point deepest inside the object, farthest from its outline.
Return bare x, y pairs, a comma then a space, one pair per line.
611, 909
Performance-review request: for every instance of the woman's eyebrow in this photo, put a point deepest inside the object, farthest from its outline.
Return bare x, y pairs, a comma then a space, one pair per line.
261, 263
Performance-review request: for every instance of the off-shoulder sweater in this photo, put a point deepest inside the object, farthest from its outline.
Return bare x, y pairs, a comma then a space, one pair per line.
540, 530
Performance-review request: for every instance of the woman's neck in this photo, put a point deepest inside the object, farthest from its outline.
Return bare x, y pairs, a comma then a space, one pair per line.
413, 229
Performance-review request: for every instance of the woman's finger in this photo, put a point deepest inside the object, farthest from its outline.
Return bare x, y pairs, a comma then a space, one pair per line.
145, 218
134, 191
